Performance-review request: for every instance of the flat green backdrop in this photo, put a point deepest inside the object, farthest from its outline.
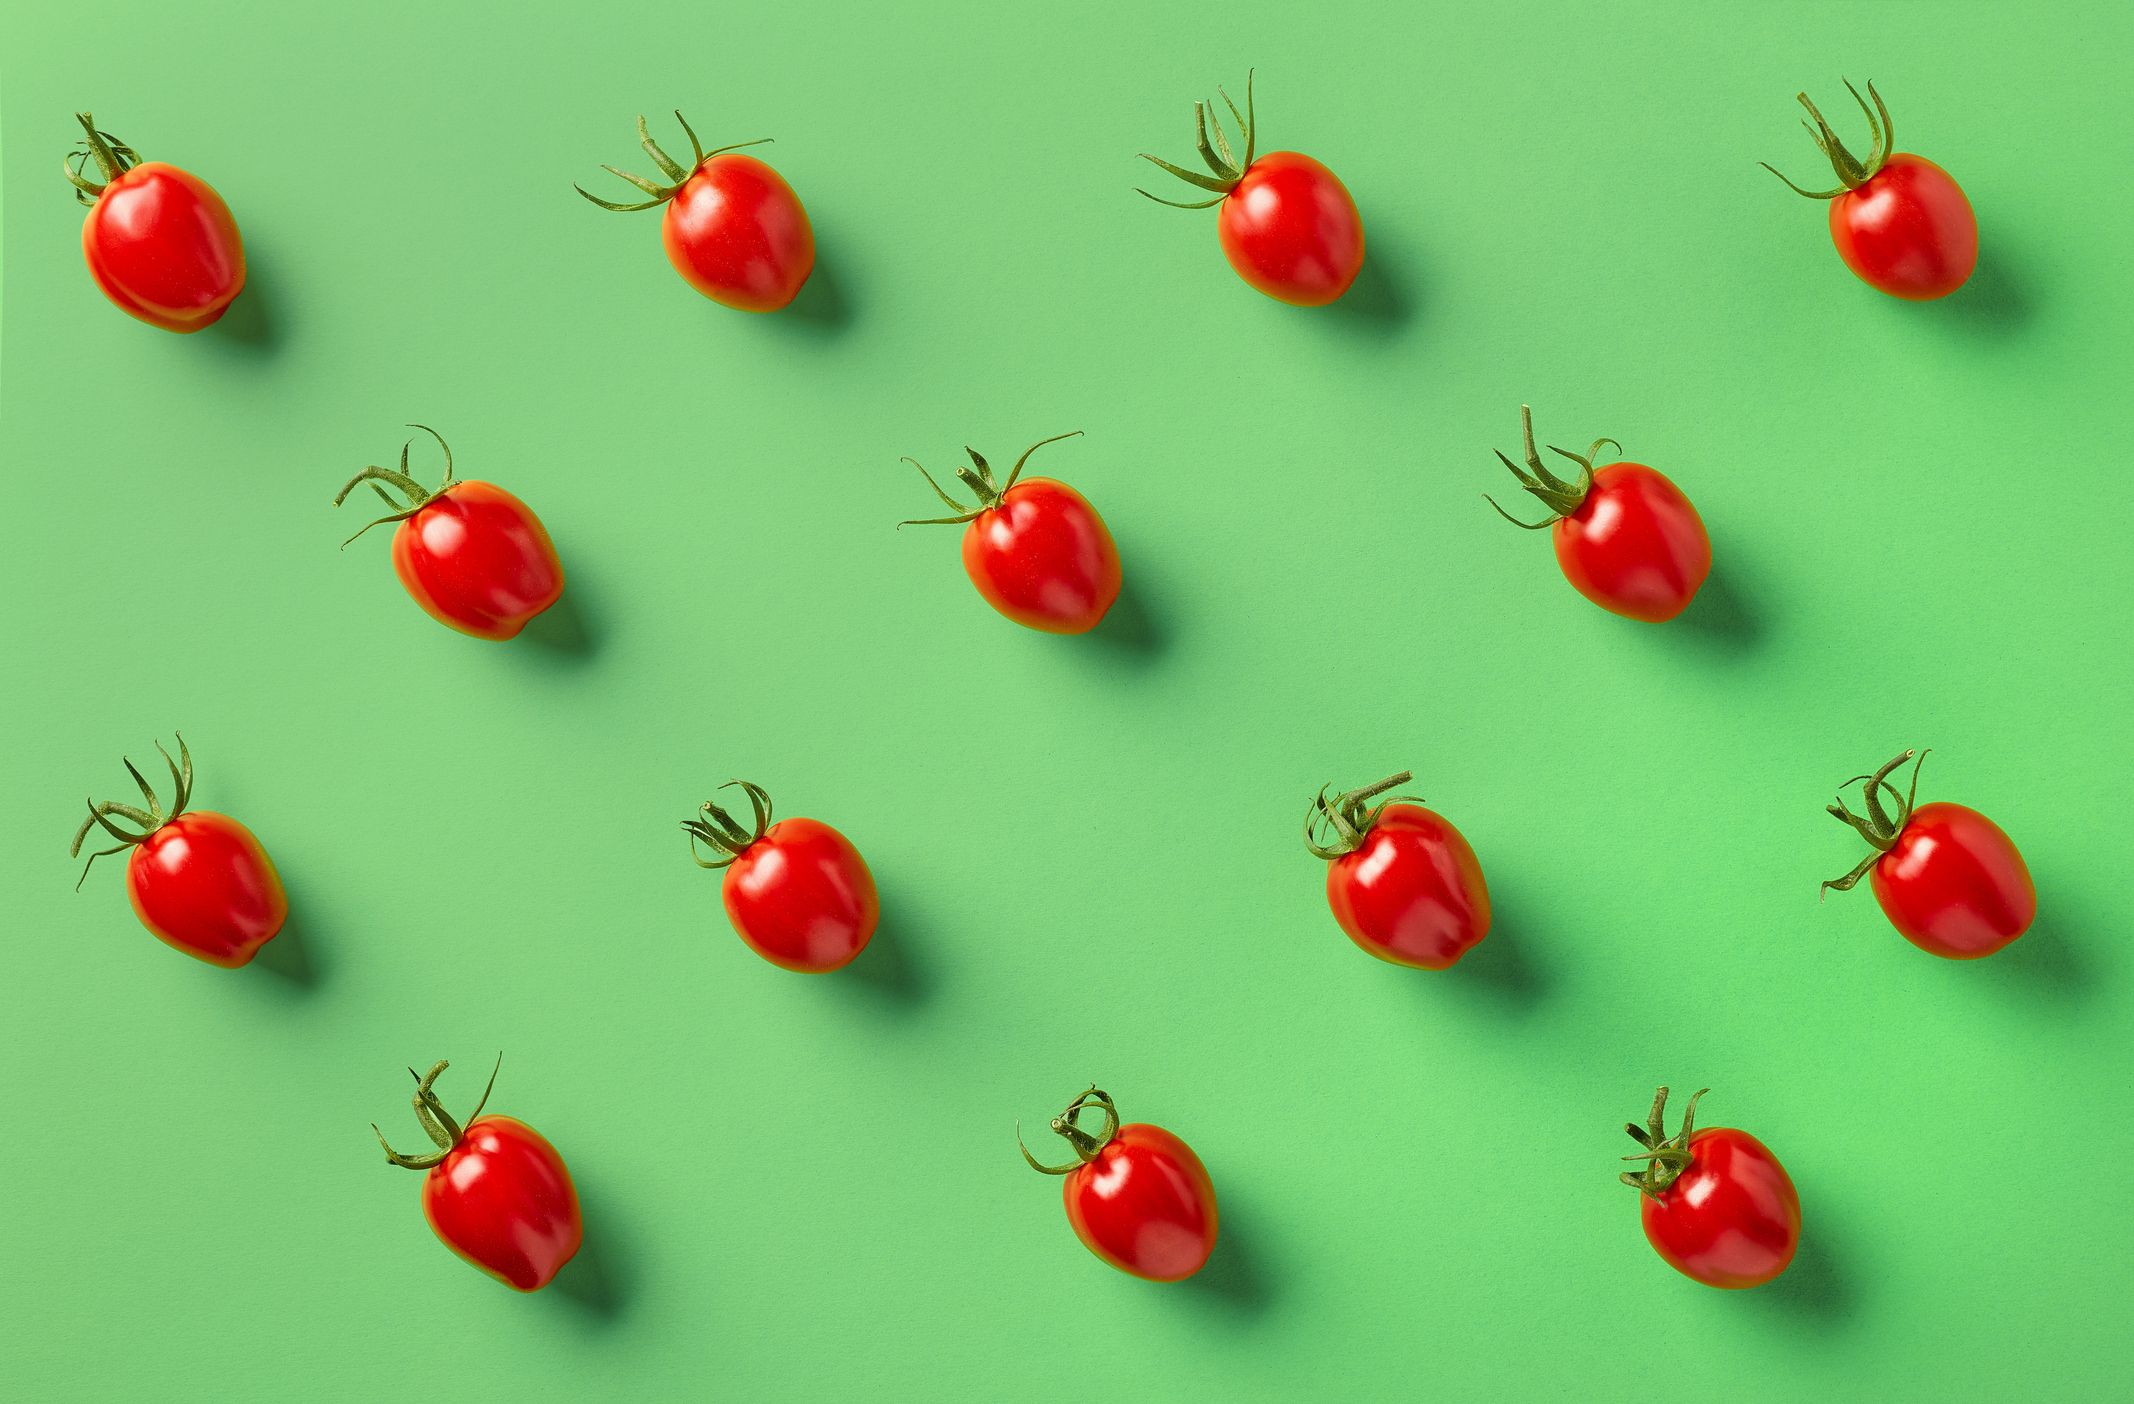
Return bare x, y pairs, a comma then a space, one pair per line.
1088, 850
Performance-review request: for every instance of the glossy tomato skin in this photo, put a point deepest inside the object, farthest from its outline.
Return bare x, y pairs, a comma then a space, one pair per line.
1908, 231
204, 884
1145, 1205
1044, 558
1291, 229
802, 897
478, 559
1635, 546
165, 248
1413, 894
738, 234
1954, 884
503, 1200
1732, 1219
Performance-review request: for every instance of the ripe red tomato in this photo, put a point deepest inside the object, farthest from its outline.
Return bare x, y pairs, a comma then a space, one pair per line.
797, 891
497, 1193
1136, 1195
1899, 221
473, 556
160, 242
1948, 879
1626, 538
1402, 881
1717, 1204
734, 229
198, 880
1288, 225
1036, 550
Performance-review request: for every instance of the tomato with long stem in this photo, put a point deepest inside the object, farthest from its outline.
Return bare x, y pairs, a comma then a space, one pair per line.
1626, 537
472, 555
1947, 877
199, 881
1403, 882
797, 891
1035, 548
1288, 225
1899, 221
1136, 1195
160, 242
1716, 1204
734, 229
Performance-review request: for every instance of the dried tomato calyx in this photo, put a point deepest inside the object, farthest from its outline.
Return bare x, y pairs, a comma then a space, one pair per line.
979, 479
1068, 1125
1852, 172
415, 495
1562, 497
718, 830
677, 175
1880, 826
113, 158
1334, 826
1225, 170
437, 1123
1665, 1156
103, 814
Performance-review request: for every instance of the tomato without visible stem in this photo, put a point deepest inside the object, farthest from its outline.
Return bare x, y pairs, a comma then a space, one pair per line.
1402, 881
1136, 1195
797, 891
159, 241
1716, 1205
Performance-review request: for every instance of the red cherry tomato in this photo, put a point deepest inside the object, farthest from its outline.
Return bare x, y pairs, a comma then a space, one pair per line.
734, 229
160, 242
1948, 879
1626, 538
1035, 549
1402, 881
797, 891
1899, 221
1717, 1204
1288, 225
1136, 1195
496, 1192
198, 880
472, 555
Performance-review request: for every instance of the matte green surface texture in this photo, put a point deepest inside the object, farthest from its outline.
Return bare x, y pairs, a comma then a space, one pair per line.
1088, 849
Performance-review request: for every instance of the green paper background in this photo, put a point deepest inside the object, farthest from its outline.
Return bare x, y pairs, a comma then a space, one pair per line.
806, 1189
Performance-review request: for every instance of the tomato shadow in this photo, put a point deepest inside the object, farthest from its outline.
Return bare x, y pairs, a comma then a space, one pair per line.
1235, 1279
1382, 299
1498, 966
2045, 961
890, 970
251, 324
1813, 1289
822, 306
1994, 299
292, 956
597, 1282
1131, 629
566, 627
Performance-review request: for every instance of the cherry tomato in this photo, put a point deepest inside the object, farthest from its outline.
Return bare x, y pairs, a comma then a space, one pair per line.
1036, 550
1717, 1204
1948, 879
496, 1191
797, 891
473, 556
1626, 538
1402, 881
198, 880
160, 242
734, 229
1899, 221
1288, 225
1136, 1195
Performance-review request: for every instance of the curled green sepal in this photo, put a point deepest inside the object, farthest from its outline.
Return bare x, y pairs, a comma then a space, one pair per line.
415, 496
1665, 1156
1225, 169
1852, 172
1561, 497
144, 820
113, 158
677, 174
718, 830
437, 1123
979, 479
1880, 826
1347, 817
1068, 1125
